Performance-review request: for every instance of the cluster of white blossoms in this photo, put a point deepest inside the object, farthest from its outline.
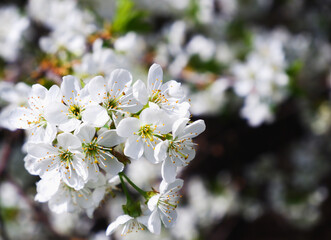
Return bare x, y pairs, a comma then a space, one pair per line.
12, 28
262, 80
82, 136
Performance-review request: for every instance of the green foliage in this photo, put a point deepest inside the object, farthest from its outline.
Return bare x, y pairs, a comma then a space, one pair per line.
192, 10
9, 213
293, 72
127, 18
205, 66
238, 32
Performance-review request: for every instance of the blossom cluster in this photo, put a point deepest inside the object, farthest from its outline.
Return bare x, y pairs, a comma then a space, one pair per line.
82, 136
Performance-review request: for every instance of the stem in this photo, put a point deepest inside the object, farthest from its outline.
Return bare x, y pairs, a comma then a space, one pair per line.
139, 190
125, 190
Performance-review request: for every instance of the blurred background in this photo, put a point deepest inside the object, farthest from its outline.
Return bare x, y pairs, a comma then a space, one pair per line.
257, 71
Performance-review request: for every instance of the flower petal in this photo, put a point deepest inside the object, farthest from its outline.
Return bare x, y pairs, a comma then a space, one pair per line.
161, 151
56, 113
154, 79
111, 165
134, 147
169, 171
66, 140
110, 138
119, 221
47, 187
85, 133
69, 88
194, 129
71, 125
97, 89
128, 126
140, 91
178, 127
152, 202
120, 79
95, 115
174, 186
169, 219
154, 223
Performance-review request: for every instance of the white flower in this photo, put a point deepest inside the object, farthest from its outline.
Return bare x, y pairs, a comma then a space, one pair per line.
33, 117
11, 29
62, 15
97, 151
76, 106
256, 111
210, 100
132, 44
65, 158
143, 133
102, 61
169, 96
13, 96
62, 198
73, 42
179, 150
115, 94
203, 47
163, 206
130, 224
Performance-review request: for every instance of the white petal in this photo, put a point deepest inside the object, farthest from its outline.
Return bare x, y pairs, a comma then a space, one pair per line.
59, 204
120, 79
53, 94
154, 223
154, 79
168, 171
39, 91
134, 147
140, 92
97, 89
20, 118
112, 166
29, 164
95, 115
152, 202
56, 113
69, 88
110, 138
119, 221
128, 126
47, 187
178, 127
40, 150
194, 129
80, 167
71, 125
149, 150
85, 133
169, 219
66, 140
161, 151
50, 133
98, 195
174, 186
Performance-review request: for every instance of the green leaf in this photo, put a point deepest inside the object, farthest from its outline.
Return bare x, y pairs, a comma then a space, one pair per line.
127, 18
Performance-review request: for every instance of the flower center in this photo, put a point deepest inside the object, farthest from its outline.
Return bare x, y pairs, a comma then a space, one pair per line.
75, 111
157, 97
146, 132
176, 148
39, 122
66, 157
91, 149
111, 104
